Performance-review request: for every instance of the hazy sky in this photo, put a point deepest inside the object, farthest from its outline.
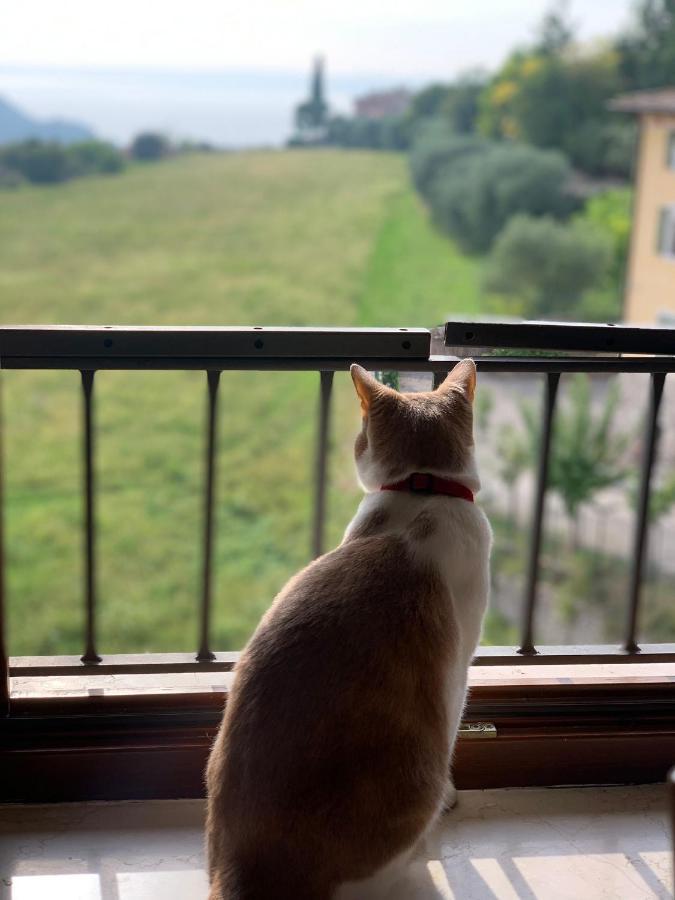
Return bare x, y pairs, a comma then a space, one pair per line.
252, 49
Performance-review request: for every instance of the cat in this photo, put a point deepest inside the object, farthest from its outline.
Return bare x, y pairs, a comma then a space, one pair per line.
333, 758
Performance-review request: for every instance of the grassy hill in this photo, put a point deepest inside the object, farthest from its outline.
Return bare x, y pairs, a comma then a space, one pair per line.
293, 238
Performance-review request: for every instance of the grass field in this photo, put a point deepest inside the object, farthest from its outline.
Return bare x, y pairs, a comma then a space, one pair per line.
293, 238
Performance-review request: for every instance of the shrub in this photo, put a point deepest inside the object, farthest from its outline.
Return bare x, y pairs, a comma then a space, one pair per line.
608, 212
389, 133
437, 150
603, 148
95, 157
390, 379
149, 147
50, 163
41, 163
10, 178
548, 264
474, 196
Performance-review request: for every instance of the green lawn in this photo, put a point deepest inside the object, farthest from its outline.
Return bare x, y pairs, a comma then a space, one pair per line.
415, 274
293, 238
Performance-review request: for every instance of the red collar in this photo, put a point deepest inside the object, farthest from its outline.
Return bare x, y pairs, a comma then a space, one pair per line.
423, 483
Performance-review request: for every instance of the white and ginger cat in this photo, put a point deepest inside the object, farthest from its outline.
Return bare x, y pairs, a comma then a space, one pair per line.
333, 758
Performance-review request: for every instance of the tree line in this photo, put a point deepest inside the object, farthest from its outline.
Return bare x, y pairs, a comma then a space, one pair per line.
50, 162
552, 94
529, 166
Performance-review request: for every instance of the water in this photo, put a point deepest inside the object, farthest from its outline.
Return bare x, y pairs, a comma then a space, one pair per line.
232, 108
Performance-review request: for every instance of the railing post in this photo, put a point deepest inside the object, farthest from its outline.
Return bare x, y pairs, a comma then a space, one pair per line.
641, 523
527, 635
321, 464
205, 654
4, 658
90, 655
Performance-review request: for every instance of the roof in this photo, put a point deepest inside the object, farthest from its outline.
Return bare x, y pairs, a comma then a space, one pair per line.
661, 100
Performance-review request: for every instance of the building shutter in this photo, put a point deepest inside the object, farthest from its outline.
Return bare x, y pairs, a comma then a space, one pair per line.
661, 232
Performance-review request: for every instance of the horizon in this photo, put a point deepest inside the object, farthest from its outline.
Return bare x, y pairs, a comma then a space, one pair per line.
224, 79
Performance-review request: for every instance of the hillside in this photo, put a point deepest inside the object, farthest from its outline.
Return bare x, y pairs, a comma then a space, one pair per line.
305, 238
15, 125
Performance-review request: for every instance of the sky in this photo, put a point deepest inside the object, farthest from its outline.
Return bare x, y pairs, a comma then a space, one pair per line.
231, 71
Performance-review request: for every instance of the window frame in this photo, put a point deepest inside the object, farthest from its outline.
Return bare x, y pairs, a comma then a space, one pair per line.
548, 730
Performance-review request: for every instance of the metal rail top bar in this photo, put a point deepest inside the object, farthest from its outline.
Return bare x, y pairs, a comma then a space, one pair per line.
495, 364
575, 337
114, 342
305, 349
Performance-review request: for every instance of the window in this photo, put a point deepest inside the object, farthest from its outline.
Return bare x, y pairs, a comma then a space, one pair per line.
141, 725
666, 242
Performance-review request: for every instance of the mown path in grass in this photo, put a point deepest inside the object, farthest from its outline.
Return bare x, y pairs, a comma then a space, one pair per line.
414, 274
294, 238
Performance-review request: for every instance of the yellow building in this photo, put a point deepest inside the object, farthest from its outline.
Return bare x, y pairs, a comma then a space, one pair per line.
650, 282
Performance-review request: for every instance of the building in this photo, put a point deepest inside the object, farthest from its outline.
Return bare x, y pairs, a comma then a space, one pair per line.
382, 104
650, 282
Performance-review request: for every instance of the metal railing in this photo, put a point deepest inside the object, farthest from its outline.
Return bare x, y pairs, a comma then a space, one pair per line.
326, 351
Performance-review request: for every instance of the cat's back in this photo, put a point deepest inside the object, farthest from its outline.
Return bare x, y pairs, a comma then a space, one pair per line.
350, 619
336, 723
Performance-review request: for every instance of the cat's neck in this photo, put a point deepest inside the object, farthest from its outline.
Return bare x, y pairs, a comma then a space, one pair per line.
382, 511
468, 477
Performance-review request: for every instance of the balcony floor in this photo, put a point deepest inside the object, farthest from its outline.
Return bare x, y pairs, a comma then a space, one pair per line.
543, 844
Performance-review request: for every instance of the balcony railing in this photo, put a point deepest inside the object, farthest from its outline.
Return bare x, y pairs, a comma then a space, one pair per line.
326, 351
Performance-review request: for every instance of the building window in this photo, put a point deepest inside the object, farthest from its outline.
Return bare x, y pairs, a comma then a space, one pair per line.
670, 150
667, 232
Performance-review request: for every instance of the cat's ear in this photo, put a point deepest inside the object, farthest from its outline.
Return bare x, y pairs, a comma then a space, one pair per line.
367, 387
463, 378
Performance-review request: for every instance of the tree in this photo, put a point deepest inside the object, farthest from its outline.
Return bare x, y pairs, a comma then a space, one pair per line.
548, 265
311, 117
474, 195
555, 95
556, 31
647, 52
95, 157
459, 106
587, 454
37, 161
427, 103
149, 147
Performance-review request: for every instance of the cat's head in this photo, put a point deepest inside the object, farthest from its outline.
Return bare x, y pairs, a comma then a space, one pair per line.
422, 432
